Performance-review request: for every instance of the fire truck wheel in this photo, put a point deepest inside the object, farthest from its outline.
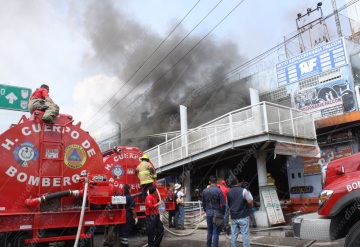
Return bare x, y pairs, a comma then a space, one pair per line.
353, 237
20, 241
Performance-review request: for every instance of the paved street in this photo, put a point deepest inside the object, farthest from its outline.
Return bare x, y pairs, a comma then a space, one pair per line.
198, 239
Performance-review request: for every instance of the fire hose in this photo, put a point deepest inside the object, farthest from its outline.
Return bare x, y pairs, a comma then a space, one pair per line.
31, 202
177, 234
82, 212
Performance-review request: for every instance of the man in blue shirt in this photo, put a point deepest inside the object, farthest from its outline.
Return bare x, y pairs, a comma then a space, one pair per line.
213, 203
237, 201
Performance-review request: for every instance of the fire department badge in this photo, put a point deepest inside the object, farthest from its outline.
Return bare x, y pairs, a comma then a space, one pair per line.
75, 156
117, 171
25, 153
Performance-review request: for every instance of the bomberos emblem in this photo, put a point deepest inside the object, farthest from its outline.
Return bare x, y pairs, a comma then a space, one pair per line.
75, 156
117, 171
25, 153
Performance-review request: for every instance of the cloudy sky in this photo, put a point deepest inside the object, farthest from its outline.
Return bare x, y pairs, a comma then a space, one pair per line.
102, 59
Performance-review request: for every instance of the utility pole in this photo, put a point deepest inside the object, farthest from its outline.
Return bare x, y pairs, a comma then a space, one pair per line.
337, 21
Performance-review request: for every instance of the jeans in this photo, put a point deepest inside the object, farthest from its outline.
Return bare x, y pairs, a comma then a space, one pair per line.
213, 232
180, 211
242, 225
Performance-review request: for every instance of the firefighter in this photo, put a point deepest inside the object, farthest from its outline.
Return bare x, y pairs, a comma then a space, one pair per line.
270, 180
40, 100
146, 173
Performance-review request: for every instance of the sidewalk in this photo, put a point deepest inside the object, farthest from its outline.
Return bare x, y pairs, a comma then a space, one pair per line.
257, 238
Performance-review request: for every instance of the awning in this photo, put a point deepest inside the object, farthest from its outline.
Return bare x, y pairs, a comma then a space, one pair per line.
297, 149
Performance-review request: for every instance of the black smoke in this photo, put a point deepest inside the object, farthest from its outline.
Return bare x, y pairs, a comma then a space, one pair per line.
120, 46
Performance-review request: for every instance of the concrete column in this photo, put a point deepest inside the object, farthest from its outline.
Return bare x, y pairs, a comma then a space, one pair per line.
187, 185
184, 128
184, 143
260, 215
256, 110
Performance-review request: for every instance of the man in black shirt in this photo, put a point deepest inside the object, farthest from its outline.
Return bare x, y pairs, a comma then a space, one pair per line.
237, 200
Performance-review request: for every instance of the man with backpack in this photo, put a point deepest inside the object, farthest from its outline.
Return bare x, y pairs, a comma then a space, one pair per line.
180, 207
238, 200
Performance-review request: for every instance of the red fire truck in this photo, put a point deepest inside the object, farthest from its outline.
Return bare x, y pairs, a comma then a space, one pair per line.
339, 211
119, 167
53, 188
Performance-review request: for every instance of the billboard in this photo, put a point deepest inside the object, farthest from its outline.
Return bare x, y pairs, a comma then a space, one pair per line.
326, 100
320, 59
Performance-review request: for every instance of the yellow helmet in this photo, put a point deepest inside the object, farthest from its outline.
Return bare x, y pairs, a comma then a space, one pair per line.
145, 156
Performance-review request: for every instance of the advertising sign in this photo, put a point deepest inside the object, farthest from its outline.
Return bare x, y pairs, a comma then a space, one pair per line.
313, 165
272, 205
326, 100
297, 149
320, 59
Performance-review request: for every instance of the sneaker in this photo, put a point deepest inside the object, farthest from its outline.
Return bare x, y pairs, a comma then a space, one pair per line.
177, 228
183, 228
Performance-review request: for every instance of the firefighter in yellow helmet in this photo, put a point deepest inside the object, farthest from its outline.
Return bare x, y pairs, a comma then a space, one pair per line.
270, 180
146, 173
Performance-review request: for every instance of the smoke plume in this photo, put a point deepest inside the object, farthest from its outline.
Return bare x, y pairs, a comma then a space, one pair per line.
120, 46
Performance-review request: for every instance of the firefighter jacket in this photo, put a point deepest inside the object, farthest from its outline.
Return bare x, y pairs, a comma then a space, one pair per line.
145, 172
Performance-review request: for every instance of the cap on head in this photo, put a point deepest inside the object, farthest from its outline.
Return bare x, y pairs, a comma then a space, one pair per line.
177, 186
145, 157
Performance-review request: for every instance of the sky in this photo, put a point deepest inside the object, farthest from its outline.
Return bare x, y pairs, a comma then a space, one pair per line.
98, 56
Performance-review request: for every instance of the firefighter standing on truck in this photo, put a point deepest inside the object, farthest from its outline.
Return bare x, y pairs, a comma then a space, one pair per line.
146, 173
40, 100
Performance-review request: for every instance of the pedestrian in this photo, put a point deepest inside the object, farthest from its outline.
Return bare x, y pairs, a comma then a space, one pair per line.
154, 226
40, 100
251, 207
224, 189
238, 200
213, 203
170, 198
196, 196
180, 207
146, 173
131, 217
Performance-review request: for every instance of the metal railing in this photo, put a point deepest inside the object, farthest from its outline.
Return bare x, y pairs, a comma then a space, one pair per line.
258, 119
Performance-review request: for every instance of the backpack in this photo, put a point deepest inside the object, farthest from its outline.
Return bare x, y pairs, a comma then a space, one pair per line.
177, 199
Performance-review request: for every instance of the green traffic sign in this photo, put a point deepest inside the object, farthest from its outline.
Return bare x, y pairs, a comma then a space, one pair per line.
14, 98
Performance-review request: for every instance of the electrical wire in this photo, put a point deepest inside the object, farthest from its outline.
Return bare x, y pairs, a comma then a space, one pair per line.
248, 63
156, 49
170, 53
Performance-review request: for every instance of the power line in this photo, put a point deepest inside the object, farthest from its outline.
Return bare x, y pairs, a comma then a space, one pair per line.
156, 49
181, 57
245, 65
